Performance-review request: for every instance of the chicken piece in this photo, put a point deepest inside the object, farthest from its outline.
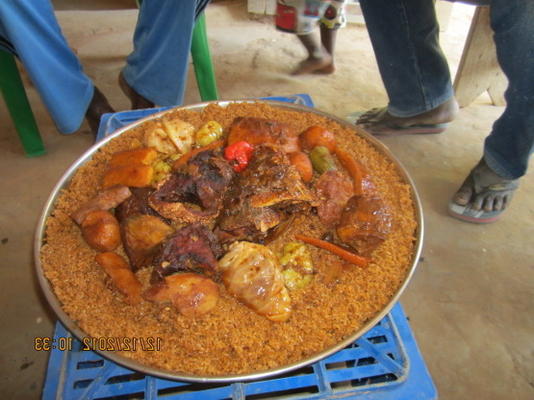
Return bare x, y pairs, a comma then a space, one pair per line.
252, 274
121, 275
257, 131
195, 193
192, 294
333, 191
192, 248
264, 195
104, 200
365, 223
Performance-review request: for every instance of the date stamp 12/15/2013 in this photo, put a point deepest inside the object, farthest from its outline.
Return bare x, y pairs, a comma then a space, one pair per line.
88, 343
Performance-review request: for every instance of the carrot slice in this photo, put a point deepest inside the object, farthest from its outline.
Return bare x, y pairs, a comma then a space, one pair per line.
188, 156
338, 251
356, 171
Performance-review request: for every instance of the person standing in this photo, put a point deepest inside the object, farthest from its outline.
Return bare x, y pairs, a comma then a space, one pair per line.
301, 17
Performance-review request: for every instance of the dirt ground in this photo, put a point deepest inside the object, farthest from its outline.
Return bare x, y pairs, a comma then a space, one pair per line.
470, 302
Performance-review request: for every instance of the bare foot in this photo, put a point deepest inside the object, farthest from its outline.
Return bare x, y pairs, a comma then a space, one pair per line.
484, 190
329, 69
379, 121
312, 65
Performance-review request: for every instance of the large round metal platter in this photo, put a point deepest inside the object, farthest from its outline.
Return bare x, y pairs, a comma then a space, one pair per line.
71, 325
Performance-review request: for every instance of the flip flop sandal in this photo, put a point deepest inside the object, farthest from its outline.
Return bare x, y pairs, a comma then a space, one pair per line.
354, 117
468, 214
420, 129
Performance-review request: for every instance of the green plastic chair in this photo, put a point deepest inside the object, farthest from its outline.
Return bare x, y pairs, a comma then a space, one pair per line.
18, 106
22, 114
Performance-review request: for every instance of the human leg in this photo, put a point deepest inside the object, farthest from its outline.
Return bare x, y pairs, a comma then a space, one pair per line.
405, 38
333, 19
68, 94
321, 56
508, 147
318, 57
157, 67
489, 187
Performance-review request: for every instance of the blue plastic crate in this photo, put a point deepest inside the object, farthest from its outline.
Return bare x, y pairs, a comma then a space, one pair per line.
111, 122
385, 364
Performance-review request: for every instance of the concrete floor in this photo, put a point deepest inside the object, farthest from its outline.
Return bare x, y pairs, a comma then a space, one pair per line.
470, 302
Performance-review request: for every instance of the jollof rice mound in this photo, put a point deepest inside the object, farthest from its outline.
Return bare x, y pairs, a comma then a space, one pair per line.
232, 339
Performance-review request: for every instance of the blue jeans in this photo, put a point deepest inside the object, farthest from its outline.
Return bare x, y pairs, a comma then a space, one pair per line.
405, 38
156, 69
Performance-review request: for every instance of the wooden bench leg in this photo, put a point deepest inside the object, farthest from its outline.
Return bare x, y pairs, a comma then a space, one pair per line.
479, 69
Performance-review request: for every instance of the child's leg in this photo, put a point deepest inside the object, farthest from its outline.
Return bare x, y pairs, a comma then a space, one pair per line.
318, 56
328, 39
332, 19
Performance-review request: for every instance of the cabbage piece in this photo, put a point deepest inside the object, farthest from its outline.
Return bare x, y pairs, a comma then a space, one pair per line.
251, 272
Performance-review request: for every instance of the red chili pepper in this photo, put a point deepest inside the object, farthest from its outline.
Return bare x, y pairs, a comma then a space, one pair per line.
240, 153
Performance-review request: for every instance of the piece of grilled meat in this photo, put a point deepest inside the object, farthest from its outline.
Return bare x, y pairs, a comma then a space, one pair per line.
193, 248
257, 131
195, 192
263, 195
365, 223
333, 190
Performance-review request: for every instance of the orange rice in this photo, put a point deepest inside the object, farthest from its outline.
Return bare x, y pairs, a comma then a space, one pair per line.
233, 339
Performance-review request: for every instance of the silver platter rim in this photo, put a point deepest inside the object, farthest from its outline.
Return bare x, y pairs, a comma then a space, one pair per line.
179, 376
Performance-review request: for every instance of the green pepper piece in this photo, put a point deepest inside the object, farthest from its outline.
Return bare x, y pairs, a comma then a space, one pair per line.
322, 160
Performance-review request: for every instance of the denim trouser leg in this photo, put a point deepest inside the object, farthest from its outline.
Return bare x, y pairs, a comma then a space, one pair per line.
157, 67
508, 148
32, 29
405, 38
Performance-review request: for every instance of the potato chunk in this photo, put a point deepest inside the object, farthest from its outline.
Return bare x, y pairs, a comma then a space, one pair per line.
143, 232
121, 275
192, 294
101, 230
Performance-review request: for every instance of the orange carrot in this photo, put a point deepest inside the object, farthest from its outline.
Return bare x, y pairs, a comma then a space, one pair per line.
332, 248
356, 171
188, 156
